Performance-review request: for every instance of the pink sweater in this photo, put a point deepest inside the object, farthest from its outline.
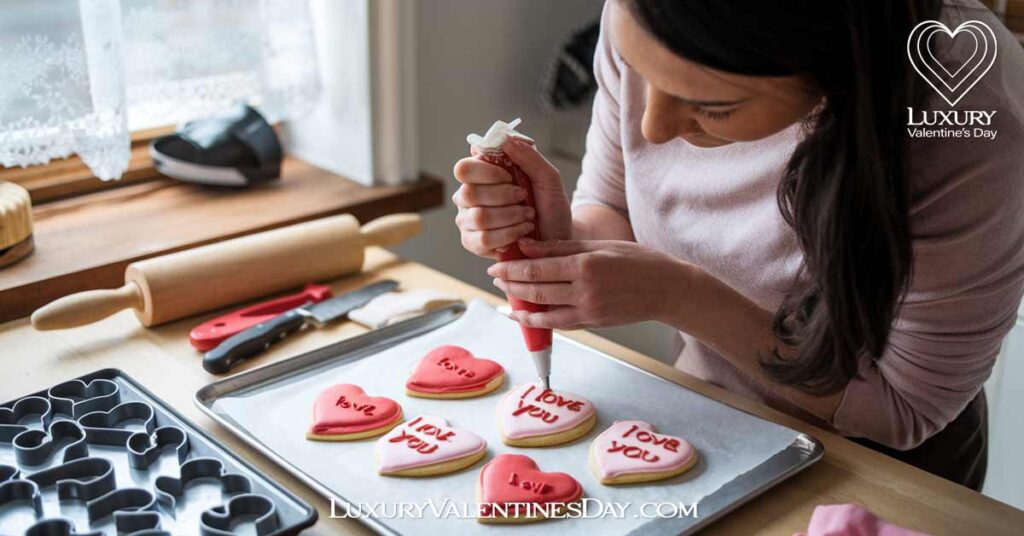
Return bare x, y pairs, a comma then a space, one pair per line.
716, 208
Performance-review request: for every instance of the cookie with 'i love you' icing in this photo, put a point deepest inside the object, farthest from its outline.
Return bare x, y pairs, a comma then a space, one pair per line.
428, 446
629, 452
532, 416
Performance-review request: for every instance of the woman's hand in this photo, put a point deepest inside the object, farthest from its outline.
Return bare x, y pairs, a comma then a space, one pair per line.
594, 283
491, 215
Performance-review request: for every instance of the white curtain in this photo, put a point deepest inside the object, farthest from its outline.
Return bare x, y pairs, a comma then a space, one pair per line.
77, 76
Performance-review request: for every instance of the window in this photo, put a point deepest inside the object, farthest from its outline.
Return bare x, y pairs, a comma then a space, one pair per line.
79, 76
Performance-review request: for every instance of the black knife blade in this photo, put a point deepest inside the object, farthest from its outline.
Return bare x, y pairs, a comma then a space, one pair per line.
258, 338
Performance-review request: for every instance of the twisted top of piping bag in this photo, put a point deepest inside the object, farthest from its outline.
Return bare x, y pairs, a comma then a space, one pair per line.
497, 135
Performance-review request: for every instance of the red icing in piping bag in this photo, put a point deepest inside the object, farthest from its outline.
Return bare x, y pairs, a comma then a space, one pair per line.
489, 146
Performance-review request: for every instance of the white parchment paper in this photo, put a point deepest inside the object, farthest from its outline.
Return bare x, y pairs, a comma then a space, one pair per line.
730, 442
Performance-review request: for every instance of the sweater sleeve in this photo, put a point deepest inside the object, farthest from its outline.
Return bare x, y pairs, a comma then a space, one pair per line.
602, 179
968, 278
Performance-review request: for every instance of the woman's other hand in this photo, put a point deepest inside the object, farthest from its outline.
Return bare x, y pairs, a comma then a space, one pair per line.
491, 213
594, 283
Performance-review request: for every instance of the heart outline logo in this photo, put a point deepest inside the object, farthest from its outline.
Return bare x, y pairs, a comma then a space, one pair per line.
952, 86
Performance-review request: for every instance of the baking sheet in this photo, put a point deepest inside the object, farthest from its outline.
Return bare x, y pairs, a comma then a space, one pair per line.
731, 443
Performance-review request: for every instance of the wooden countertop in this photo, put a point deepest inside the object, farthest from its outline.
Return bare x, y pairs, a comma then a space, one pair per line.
163, 361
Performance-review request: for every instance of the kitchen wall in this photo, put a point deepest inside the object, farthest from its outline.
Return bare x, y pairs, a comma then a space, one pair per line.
1005, 392
481, 61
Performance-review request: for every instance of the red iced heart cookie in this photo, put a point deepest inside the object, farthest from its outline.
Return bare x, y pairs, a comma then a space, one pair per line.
512, 488
452, 372
344, 411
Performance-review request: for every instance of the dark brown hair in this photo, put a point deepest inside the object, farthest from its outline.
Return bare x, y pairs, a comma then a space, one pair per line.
846, 187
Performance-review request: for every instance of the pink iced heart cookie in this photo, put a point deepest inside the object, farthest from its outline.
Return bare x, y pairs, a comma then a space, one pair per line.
427, 446
630, 451
345, 412
531, 416
512, 489
453, 372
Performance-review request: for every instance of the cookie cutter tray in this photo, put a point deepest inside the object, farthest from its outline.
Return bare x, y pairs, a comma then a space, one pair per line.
100, 454
742, 455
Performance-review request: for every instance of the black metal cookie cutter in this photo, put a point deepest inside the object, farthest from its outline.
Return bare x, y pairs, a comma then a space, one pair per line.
219, 520
84, 479
169, 489
76, 398
57, 527
35, 447
25, 407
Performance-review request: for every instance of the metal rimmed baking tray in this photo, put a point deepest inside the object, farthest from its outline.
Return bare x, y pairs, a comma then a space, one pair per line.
741, 455
100, 454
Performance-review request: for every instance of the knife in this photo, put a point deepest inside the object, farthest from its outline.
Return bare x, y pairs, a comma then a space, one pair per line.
259, 337
210, 334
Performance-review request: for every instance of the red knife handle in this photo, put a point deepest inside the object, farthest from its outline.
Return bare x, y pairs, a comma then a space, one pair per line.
211, 333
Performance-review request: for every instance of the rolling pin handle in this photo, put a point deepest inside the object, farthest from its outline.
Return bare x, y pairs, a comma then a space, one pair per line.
86, 307
391, 229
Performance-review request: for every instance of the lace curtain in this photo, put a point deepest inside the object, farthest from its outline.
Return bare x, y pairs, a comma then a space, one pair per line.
77, 76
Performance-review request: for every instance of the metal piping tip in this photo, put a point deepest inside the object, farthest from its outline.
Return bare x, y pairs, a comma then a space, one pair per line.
542, 362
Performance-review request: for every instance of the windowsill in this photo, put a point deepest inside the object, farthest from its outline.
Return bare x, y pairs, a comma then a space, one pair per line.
86, 242
70, 177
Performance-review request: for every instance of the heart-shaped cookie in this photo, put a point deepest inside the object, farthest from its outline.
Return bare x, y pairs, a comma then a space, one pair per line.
531, 416
428, 445
511, 489
345, 412
453, 372
631, 451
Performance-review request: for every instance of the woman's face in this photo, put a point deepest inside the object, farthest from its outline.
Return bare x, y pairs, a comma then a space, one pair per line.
705, 107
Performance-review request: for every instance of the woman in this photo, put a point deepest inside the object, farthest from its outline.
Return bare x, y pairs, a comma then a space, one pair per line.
750, 180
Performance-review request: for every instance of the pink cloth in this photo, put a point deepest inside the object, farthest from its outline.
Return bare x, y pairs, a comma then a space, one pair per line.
716, 208
851, 520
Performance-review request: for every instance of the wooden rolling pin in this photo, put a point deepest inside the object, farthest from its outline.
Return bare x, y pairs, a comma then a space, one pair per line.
197, 280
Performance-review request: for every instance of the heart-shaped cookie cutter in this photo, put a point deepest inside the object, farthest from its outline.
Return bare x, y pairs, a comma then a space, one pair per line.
102, 427
170, 489
76, 398
128, 411
34, 447
83, 479
30, 405
144, 449
218, 521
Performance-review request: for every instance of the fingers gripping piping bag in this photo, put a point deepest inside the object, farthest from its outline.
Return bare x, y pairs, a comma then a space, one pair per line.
489, 147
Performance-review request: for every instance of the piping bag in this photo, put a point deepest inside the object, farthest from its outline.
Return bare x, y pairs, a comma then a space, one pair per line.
538, 340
